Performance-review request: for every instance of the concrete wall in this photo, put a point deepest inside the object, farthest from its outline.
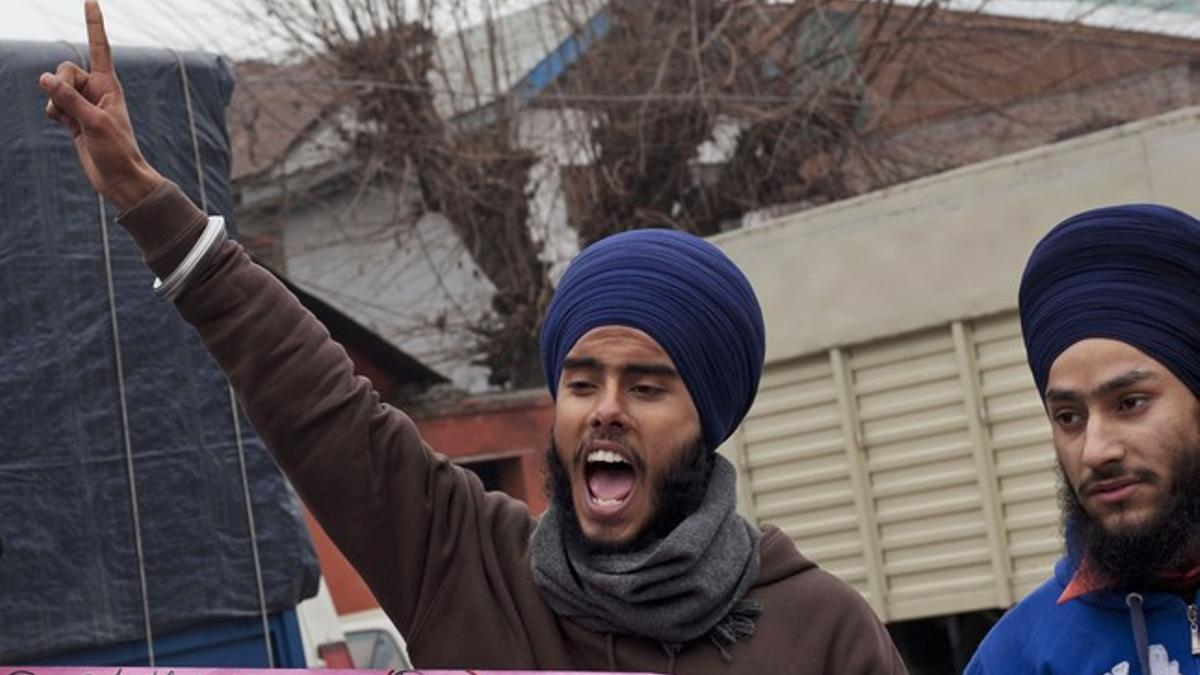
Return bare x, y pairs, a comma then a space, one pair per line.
951, 246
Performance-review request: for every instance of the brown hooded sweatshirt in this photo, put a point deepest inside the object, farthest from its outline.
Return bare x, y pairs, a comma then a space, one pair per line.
448, 562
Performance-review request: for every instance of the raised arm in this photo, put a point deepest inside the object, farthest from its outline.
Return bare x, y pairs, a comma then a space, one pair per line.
401, 514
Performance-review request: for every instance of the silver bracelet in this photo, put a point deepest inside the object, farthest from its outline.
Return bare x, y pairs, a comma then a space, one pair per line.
196, 261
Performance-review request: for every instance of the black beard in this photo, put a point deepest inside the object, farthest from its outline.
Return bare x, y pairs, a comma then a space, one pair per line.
1136, 558
677, 495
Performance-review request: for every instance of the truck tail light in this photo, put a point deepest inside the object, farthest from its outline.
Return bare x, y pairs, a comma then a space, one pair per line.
336, 655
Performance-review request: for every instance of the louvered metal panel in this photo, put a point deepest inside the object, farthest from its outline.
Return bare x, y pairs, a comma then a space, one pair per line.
1019, 436
795, 461
915, 435
917, 467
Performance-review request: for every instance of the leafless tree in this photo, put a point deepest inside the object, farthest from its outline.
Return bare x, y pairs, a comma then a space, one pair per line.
695, 113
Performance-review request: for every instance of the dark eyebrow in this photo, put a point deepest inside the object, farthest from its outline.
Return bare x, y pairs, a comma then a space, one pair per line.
1115, 384
1122, 381
653, 369
580, 363
590, 363
1062, 396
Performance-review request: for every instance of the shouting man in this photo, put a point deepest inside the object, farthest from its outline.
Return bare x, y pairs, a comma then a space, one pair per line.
652, 348
1110, 309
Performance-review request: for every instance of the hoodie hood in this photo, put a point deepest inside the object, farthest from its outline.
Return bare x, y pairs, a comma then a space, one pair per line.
778, 557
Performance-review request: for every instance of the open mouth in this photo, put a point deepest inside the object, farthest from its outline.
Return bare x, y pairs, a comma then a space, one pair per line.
610, 478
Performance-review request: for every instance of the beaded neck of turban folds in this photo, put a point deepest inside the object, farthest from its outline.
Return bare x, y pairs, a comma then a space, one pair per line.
1129, 273
685, 294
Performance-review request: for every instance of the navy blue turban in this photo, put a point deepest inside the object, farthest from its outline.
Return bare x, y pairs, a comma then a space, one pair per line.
1128, 273
685, 294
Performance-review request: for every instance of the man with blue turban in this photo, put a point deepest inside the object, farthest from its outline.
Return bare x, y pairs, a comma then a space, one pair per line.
1110, 310
652, 348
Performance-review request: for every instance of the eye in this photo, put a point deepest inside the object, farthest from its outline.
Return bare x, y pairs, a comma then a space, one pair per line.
580, 386
647, 390
1130, 403
1067, 418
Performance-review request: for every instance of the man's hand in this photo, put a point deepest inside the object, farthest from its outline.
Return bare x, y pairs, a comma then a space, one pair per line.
91, 106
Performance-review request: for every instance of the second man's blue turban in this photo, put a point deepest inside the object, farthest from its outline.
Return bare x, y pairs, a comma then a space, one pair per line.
685, 294
1129, 273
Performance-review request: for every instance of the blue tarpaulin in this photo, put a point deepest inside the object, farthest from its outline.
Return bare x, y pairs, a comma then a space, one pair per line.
86, 376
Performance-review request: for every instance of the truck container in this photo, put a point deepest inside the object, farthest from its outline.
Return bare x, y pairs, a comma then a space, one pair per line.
897, 435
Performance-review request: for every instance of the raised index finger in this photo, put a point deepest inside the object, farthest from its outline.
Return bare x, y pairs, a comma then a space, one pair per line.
97, 39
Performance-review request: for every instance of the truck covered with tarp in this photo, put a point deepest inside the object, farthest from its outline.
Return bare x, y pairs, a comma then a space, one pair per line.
136, 503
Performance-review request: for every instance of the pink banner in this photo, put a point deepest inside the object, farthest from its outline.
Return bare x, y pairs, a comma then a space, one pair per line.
109, 670
112, 670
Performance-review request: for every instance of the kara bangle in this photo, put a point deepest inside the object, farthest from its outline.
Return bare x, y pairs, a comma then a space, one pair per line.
195, 262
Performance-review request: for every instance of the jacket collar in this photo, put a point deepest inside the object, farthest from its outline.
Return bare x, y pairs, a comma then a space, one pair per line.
1086, 580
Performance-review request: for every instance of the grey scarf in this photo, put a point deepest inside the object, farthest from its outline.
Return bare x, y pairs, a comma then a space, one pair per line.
687, 585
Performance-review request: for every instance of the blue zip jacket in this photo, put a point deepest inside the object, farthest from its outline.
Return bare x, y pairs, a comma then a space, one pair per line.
1099, 633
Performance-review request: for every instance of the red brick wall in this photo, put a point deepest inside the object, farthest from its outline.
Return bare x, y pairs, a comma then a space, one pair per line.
486, 429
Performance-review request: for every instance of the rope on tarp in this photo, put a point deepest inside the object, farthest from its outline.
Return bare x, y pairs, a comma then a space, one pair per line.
123, 407
130, 475
233, 407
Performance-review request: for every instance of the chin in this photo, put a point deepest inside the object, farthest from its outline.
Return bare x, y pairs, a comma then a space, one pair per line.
1129, 521
599, 534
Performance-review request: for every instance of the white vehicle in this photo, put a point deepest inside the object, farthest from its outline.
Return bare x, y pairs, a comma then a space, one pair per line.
374, 642
365, 639
321, 632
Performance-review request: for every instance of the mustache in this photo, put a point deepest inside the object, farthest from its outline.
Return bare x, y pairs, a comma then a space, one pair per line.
1109, 472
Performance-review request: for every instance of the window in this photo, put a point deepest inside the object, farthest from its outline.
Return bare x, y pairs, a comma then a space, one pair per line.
375, 650
488, 472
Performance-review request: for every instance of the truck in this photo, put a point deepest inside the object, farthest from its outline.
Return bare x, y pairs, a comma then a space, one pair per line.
897, 435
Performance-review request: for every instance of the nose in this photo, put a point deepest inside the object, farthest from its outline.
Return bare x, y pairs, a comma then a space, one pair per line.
609, 411
1102, 444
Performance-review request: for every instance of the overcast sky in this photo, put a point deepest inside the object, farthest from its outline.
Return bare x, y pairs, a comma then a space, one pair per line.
210, 25
224, 26
227, 27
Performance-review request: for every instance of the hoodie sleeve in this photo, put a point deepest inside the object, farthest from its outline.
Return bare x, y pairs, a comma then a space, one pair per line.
976, 667
865, 645
987, 660
403, 515
1002, 653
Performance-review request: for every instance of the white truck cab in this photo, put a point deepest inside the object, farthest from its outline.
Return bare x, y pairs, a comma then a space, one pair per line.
365, 640
374, 642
